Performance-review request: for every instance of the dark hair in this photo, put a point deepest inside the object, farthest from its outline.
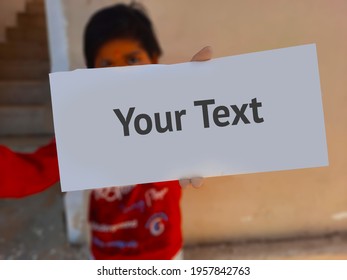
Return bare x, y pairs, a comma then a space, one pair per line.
119, 21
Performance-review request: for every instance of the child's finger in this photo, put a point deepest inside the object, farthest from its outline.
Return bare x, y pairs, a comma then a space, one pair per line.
184, 183
197, 182
203, 55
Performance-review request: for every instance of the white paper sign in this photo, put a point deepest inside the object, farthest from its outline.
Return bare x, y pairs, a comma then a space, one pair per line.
248, 113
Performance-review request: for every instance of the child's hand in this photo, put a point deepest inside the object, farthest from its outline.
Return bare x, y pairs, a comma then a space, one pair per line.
196, 182
203, 55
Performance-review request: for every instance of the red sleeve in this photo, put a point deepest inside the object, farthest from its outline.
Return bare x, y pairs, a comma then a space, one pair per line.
23, 174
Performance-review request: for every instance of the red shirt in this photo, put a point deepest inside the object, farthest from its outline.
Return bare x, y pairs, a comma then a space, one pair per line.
140, 222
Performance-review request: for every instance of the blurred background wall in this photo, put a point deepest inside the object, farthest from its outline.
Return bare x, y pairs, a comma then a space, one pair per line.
256, 206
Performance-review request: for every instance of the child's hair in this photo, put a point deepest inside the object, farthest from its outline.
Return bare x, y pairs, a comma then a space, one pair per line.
118, 22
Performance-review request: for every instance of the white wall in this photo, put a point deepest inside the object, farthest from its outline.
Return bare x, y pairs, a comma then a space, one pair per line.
57, 35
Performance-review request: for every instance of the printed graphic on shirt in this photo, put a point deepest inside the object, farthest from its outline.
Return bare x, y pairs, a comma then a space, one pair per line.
112, 193
156, 223
120, 244
139, 205
115, 227
153, 195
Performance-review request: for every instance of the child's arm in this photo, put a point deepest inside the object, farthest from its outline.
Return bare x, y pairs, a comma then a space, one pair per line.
23, 174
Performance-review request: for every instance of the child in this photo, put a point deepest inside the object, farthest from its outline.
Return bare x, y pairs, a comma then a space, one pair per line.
141, 221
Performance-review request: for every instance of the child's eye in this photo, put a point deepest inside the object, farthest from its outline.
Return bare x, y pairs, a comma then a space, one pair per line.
133, 60
105, 63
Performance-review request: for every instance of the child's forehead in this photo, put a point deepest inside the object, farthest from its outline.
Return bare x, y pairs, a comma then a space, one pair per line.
121, 44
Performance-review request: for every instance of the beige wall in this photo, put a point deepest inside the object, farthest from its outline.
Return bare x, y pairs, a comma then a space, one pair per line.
8, 13
268, 205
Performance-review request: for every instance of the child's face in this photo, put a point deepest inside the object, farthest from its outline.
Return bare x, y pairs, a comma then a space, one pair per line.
122, 52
